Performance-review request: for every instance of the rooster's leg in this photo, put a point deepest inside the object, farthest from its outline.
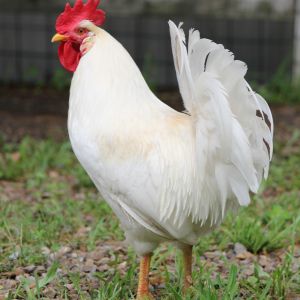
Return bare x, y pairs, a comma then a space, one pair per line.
187, 267
143, 287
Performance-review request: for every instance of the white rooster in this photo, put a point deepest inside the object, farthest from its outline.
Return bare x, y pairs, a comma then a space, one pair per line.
168, 176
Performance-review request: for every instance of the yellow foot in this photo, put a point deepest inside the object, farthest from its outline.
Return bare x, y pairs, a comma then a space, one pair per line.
188, 282
187, 291
145, 296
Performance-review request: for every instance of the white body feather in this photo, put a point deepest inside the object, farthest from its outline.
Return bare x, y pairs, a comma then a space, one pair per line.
168, 175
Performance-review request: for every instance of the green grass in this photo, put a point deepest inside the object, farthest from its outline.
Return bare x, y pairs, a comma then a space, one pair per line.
59, 200
281, 88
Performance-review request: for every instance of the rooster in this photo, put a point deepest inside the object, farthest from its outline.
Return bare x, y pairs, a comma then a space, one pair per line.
168, 176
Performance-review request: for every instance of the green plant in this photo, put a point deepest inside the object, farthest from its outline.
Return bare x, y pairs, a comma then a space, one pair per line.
33, 158
281, 88
61, 79
32, 74
275, 285
32, 293
256, 236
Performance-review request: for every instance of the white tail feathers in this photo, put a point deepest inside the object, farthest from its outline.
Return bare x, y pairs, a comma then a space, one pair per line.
234, 126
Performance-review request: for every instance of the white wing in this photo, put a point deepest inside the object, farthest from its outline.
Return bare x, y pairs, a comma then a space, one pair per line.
234, 126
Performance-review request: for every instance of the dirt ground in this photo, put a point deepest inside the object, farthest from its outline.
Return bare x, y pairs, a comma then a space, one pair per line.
42, 113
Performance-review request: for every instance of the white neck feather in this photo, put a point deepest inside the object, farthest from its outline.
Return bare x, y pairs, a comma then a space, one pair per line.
107, 75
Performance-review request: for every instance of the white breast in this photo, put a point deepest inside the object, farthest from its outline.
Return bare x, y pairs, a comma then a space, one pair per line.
139, 152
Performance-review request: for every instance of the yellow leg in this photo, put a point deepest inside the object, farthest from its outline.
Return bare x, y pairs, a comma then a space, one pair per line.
143, 287
187, 267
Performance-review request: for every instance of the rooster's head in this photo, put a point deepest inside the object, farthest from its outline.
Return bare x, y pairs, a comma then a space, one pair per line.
72, 30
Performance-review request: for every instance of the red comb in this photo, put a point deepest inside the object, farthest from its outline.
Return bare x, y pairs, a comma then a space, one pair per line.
73, 15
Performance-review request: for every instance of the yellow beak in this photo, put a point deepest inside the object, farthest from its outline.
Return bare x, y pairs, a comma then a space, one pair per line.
59, 38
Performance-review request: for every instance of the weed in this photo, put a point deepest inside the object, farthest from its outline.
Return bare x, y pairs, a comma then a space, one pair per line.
33, 290
281, 88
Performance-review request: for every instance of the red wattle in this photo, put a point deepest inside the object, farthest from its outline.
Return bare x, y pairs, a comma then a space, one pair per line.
69, 55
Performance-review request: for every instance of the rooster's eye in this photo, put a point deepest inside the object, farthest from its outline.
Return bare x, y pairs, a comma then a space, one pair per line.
80, 31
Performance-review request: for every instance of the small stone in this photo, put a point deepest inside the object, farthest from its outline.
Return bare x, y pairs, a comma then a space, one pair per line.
40, 269
122, 265
29, 269
88, 268
104, 260
296, 254
19, 271
10, 284
14, 256
103, 268
296, 265
49, 292
89, 218
244, 256
75, 268
94, 283
14, 274
45, 251
83, 231
264, 260
74, 296
161, 286
89, 262
64, 250
96, 255
46, 195
239, 248
213, 254
53, 174
19, 278
59, 271
52, 257
249, 271
69, 286
119, 249
15, 156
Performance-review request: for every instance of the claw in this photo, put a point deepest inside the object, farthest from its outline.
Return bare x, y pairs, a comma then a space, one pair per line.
147, 296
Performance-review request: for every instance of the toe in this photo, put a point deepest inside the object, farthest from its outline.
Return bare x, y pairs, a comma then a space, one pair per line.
147, 296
